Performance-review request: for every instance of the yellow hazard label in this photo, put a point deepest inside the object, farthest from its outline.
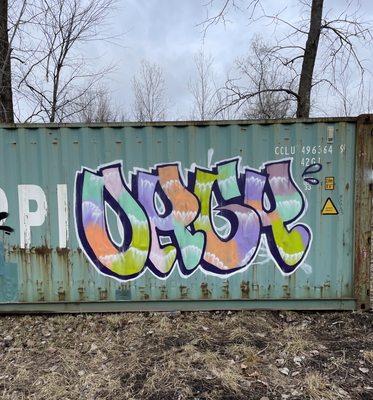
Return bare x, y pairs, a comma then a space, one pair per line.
329, 183
329, 208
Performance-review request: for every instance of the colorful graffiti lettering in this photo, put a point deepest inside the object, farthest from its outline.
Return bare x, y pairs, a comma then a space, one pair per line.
216, 219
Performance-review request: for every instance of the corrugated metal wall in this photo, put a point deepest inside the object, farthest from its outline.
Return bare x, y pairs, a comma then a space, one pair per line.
43, 261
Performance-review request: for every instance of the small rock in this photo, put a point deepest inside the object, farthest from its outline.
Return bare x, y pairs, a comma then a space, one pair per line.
264, 398
51, 350
279, 362
297, 361
284, 371
364, 370
69, 330
15, 349
314, 352
295, 373
205, 328
290, 318
93, 348
8, 340
243, 366
343, 392
81, 373
285, 396
46, 333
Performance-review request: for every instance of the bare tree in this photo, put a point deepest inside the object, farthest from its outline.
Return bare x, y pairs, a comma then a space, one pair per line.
97, 106
8, 31
57, 76
258, 74
203, 88
6, 97
314, 51
149, 93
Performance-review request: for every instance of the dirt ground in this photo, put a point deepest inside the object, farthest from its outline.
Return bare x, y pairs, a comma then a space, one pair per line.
204, 355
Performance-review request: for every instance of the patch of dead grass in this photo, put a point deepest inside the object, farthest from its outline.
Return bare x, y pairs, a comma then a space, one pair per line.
206, 356
368, 355
318, 387
296, 341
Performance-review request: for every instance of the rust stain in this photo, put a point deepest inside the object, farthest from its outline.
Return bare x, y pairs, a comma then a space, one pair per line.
245, 289
225, 289
143, 294
103, 294
363, 211
61, 294
183, 292
81, 292
206, 292
62, 251
164, 295
41, 250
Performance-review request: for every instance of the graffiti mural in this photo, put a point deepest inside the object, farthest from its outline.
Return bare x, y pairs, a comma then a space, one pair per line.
214, 219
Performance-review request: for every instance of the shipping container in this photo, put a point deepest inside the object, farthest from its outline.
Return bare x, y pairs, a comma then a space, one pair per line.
186, 215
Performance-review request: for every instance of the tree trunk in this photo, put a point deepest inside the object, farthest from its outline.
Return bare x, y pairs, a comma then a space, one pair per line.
305, 82
6, 95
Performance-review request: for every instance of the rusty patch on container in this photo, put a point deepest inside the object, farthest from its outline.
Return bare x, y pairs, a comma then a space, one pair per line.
205, 291
363, 211
245, 289
286, 291
183, 292
41, 250
103, 294
225, 289
61, 294
81, 292
62, 251
143, 294
164, 295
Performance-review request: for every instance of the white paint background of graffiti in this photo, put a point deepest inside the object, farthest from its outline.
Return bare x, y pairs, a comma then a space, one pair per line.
29, 219
262, 251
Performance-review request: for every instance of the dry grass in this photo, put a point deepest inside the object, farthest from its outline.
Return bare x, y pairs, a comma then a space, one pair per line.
296, 342
204, 356
368, 355
318, 387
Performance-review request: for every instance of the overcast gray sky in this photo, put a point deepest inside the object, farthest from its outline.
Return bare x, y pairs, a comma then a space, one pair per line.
168, 32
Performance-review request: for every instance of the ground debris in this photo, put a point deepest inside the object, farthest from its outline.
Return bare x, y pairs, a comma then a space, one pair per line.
254, 355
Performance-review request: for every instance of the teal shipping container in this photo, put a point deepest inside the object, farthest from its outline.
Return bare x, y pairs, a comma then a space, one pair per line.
186, 215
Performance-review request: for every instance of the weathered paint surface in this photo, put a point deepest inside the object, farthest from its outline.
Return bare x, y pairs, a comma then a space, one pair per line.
175, 213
